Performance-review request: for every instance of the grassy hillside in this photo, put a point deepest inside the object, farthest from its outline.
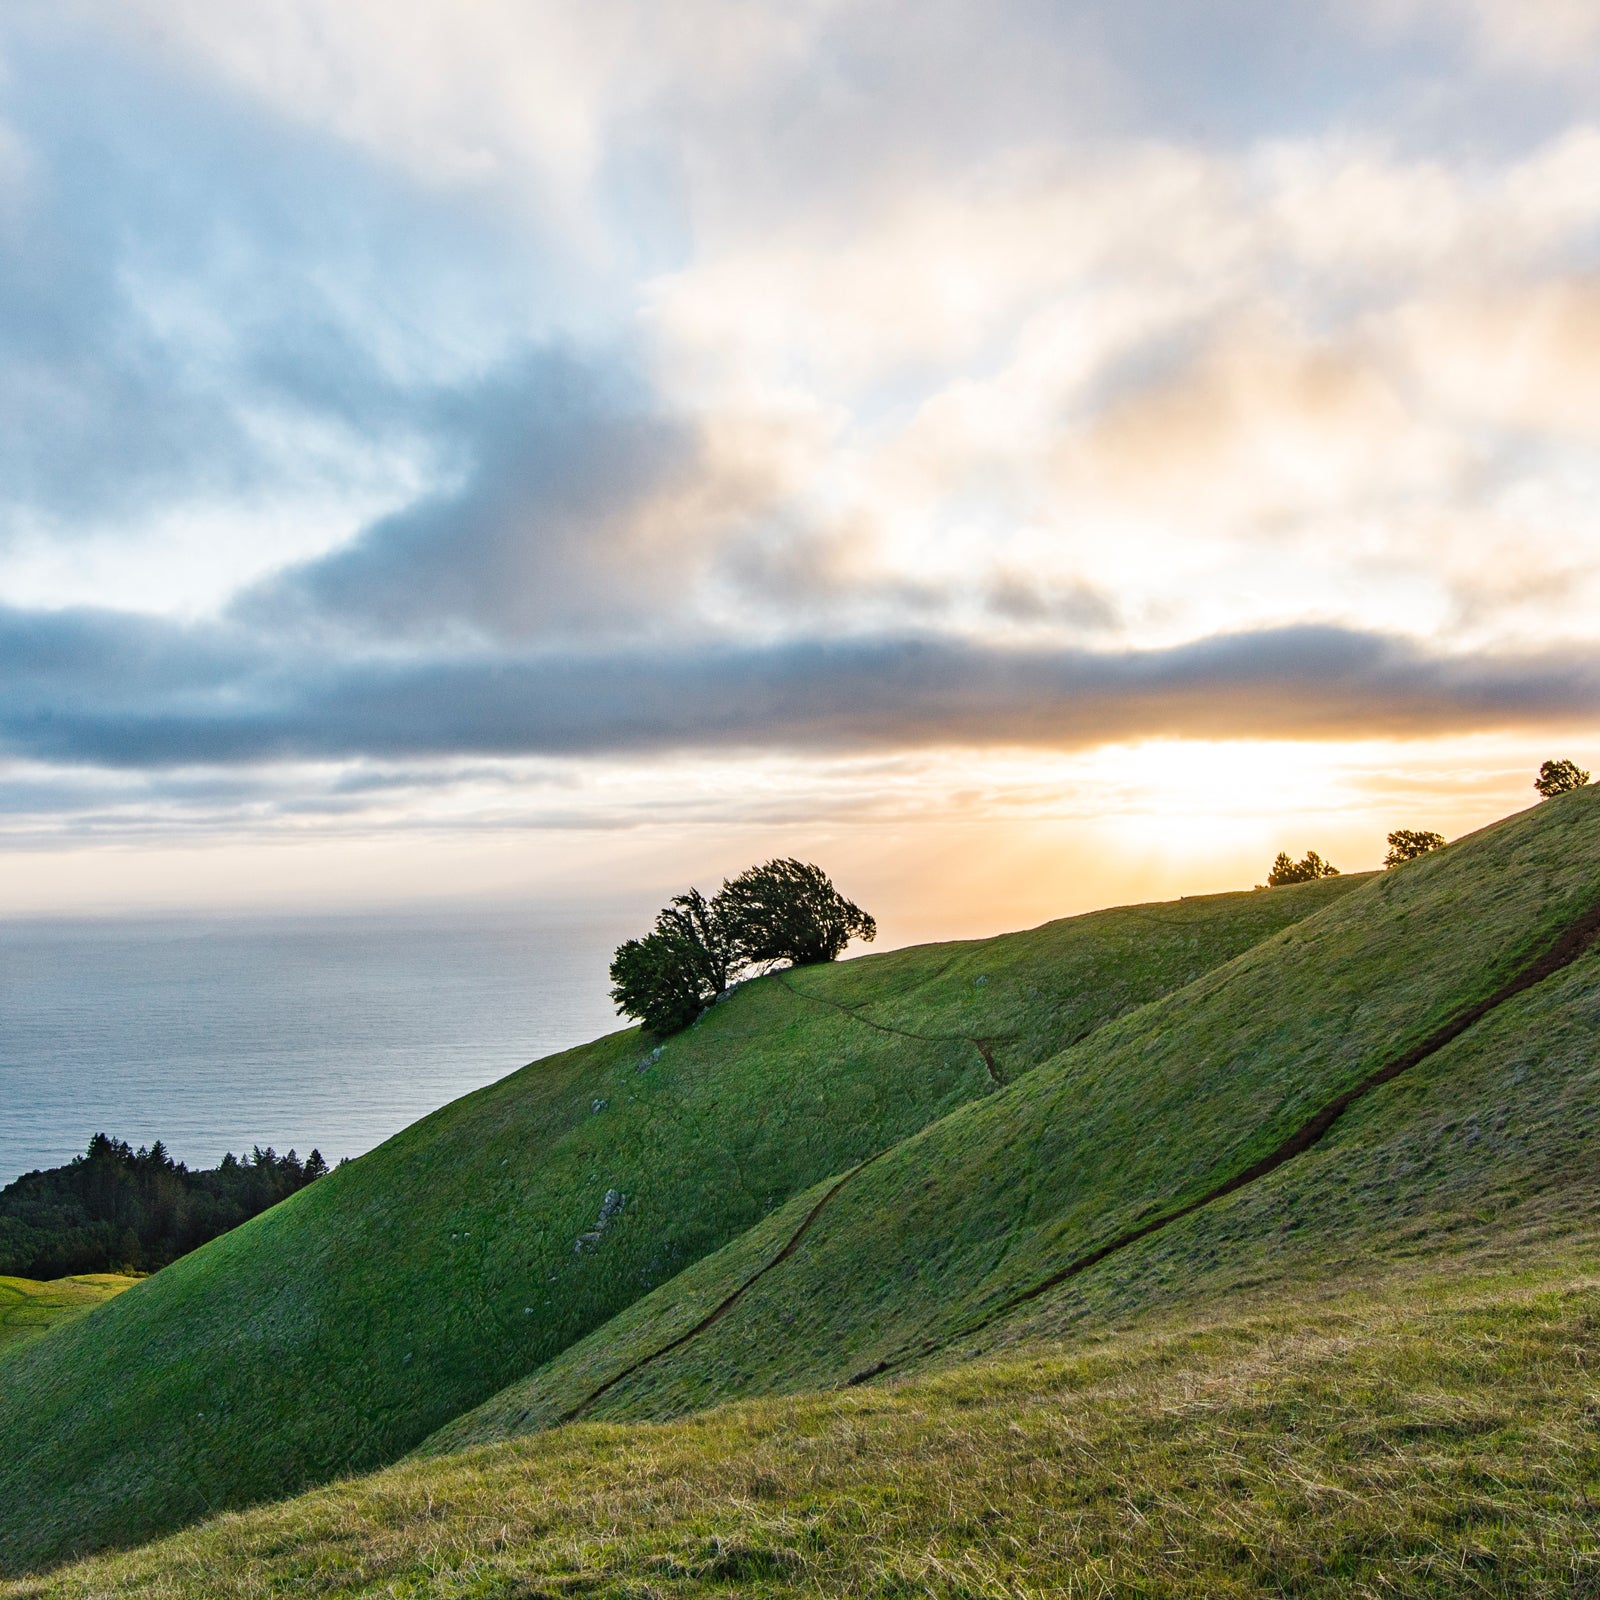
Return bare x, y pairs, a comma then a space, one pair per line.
1488, 1150
1102, 1184
1434, 1437
340, 1328
29, 1307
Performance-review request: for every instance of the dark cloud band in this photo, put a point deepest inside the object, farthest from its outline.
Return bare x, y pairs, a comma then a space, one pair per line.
99, 689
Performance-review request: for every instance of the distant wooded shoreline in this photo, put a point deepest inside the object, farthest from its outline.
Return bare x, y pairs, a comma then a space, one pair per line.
117, 1209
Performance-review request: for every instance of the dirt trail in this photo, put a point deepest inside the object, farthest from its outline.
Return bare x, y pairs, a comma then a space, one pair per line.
726, 1305
985, 1051
984, 1047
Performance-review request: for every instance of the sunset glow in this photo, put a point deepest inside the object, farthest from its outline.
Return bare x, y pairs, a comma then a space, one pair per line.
1033, 457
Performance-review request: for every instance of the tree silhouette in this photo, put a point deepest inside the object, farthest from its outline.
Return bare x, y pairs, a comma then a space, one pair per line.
782, 911
1406, 844
1556, 777
788, 910
667, 978
1312, 866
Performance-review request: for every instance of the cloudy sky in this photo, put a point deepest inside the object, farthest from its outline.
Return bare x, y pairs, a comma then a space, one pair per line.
1024, 454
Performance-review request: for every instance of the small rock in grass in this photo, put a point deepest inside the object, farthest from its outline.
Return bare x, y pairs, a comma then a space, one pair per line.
614, 1201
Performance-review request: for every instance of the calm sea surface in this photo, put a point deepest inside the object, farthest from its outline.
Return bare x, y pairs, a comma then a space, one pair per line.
329, 1031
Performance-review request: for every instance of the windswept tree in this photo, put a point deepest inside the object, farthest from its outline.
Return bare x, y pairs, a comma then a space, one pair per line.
1311, 867
1556, 777
1406, 844
708, 938
784, 911
652, 981
670, 976
789, 911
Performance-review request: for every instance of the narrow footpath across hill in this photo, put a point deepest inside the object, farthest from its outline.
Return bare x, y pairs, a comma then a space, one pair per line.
984, 1047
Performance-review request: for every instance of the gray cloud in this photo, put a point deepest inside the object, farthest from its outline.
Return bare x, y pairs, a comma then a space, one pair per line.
1019, 597
209, 307
566, 517
95, 689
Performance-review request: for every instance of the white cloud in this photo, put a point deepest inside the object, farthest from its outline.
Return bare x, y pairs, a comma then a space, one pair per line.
516, 93
1552, 36
937, 276
1525, 361
1299, 381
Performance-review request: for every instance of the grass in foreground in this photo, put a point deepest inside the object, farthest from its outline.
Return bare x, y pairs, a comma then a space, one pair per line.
29, 1307
1433, 1436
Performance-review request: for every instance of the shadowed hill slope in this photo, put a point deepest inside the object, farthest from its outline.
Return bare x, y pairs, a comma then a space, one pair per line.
1299, 1104
337, 1330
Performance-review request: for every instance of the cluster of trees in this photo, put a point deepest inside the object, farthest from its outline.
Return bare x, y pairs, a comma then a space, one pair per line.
784, 912
1310, 867
117, 1209
1406, 844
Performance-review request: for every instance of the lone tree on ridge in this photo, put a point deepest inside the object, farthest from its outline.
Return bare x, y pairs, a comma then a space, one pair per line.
783, 911
1406, 844
1305, 871
1556, 777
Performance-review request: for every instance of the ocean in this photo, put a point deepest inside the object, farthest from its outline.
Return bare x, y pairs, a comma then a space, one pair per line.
329, 1032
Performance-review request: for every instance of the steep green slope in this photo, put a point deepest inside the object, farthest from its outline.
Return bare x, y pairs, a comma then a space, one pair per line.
1488, 1151
337, 1330
1437, 1439
29, 1307
1029, 1207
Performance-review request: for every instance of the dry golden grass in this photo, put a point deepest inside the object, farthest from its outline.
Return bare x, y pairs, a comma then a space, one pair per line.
1438, 1436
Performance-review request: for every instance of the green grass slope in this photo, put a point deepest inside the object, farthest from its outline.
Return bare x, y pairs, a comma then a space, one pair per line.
336, 1331
1487, 1152
1436, 1438
1023, 1212
29, 1307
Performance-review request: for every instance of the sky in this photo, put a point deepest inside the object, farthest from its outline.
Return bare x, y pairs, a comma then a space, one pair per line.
1024, 456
